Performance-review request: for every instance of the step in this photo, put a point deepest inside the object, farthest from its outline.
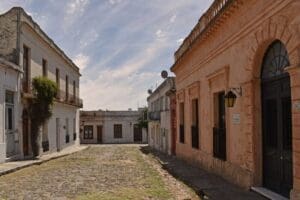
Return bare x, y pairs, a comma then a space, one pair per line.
268, 193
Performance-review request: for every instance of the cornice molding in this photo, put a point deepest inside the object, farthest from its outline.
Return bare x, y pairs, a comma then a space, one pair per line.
228, 42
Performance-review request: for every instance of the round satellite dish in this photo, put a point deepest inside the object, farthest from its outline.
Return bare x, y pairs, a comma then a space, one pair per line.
149, 91
164, 74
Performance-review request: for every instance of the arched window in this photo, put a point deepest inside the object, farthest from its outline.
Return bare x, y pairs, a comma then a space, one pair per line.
275, 60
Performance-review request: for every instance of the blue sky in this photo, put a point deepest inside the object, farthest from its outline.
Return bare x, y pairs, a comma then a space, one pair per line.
121, 46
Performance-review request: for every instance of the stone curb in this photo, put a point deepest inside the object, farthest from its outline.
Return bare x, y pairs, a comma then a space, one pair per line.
39, 162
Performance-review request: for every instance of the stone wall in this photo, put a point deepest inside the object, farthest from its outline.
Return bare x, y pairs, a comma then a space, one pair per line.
9, 36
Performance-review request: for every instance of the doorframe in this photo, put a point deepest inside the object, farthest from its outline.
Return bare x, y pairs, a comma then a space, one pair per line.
25, 118
275, 80
135, 126
101, 140
256, 89
57, 130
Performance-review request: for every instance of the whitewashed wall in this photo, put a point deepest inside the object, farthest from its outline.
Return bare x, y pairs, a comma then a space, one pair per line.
9, 80
107, 119
39, 50
92, 122
62, 112
127, 130
160, 136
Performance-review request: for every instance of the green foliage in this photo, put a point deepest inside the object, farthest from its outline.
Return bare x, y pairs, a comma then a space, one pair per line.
44, 91
143, 121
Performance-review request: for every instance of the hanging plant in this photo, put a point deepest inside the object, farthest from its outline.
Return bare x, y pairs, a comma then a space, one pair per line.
44, 91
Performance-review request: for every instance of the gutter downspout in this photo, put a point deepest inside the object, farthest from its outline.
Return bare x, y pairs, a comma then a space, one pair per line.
18, 37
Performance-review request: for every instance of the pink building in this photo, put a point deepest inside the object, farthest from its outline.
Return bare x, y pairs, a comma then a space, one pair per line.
247, 51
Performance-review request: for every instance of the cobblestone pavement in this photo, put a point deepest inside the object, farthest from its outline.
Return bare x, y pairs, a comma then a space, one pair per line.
8, 167
207, 185
99, 172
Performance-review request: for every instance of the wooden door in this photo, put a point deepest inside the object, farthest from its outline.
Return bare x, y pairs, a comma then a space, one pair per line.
99, 134
277, 136
138, 134
173, 127
219, 132
276, 120
25, 135
9, 129
58, 134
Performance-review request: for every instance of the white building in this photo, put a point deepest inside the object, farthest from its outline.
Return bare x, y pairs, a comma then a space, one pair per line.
25, 44
10, 75
161, 135
110, 127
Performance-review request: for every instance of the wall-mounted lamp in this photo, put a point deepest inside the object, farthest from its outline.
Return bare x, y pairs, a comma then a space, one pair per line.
230, 97
237, 91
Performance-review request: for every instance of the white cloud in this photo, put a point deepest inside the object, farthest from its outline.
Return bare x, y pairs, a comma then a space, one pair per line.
123, 86
5, 6
88, 38
179, 41
160, 34
76, 6
74, 10
113, 2
117, 94
173, 19
112, 42
81, 61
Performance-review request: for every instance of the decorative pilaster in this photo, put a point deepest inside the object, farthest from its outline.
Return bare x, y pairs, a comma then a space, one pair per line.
294, 72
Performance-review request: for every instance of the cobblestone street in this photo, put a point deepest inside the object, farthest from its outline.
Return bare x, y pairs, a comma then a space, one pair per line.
99, 172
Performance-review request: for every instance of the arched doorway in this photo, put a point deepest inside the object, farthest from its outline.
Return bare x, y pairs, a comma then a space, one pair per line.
276, 120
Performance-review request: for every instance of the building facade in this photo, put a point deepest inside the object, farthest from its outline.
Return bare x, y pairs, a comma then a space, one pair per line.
161, 107
24, 44
248, 48
10, 78
111, 127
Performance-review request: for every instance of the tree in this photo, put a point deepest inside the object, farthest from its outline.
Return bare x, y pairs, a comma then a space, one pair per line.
44, 91
143, 120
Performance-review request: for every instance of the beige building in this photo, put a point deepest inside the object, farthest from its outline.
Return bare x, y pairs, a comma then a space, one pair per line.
161, 136
26, 45
247, 51
111, 127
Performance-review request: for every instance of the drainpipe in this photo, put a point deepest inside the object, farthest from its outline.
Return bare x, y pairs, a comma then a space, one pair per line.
18, 36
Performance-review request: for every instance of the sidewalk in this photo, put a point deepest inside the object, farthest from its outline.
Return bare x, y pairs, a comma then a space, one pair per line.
206, 185
9, 167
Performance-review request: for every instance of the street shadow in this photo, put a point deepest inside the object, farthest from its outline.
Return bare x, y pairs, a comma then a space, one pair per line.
205, 184
169, 164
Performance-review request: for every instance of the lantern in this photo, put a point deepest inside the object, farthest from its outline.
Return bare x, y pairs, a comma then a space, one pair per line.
230, 99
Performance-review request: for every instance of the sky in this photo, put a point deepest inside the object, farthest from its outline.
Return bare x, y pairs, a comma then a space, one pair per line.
120, 46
